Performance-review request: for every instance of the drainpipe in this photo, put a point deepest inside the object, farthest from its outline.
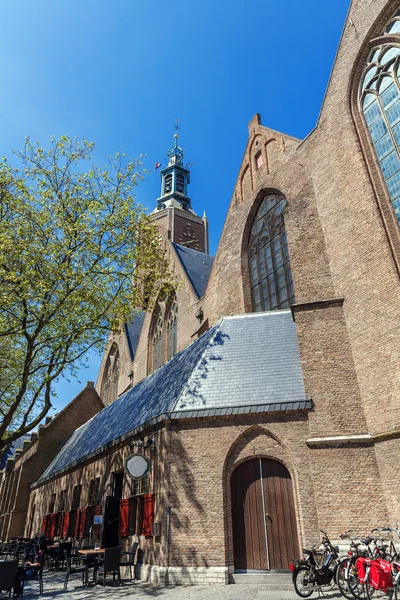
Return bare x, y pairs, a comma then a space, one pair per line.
167, 544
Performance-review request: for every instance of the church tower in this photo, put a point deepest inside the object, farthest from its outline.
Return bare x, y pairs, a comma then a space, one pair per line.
174, 215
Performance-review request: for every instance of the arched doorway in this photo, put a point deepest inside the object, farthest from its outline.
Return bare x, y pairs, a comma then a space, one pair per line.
263, 516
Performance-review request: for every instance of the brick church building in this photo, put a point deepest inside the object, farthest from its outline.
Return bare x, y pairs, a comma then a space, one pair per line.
265, 391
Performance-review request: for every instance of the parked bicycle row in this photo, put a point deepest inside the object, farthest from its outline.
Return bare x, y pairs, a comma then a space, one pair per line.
369, 569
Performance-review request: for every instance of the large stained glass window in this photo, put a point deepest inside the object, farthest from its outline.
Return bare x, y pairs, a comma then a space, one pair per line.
380, 103
172, 330
270, 275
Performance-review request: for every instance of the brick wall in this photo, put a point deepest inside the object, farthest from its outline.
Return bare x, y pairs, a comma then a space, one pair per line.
360, 255
334, 487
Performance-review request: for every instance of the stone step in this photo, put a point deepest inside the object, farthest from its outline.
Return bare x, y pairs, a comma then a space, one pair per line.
274, 581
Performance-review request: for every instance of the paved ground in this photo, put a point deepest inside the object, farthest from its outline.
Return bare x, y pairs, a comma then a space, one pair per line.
53, 589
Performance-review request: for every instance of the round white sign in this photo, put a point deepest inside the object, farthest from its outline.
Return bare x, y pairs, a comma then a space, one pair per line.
137, 466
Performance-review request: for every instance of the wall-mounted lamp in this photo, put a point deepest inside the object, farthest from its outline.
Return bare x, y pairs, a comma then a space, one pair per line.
149, 443
200, 315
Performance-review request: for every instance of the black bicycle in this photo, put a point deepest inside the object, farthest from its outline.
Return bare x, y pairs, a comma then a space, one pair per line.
310, 574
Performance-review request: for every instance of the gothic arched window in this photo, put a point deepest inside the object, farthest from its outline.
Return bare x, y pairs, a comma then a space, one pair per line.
115, 377
158, 341
380, 103
109, 386
269, 266
172, 330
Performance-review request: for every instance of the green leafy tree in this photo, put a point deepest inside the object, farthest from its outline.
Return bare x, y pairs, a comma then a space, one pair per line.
77, 253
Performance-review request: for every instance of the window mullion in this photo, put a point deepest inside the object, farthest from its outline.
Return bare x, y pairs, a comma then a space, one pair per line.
267, 285
384, 116
259, 277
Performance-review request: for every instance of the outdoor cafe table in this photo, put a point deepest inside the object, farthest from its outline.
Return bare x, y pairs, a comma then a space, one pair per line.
93, 551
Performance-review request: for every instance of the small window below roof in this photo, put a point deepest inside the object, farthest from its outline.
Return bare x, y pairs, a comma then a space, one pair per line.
76, 496
52, 503
259, 159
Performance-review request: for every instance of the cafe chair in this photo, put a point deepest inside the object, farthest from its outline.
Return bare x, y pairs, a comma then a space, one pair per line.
37, 575
128, 558
8, 574
110, 564
75, 550
59, 555
75, 568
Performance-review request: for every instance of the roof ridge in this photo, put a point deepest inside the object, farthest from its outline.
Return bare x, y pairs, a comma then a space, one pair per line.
192, 250
197, 274
264, 313
196, 368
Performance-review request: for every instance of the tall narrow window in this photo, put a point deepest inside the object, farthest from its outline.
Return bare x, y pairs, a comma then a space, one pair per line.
158, 342
270, 274
76, 496
115, 376
62, 501
172, 330
180, 183
380, 104
93, 491
106, 384
168, 183
259, 159
109, 386
52, 503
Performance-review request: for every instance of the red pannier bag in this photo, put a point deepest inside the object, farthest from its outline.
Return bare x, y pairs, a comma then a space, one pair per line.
361, 568
380, 575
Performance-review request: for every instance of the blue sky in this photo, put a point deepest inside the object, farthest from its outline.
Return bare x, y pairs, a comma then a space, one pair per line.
119, 74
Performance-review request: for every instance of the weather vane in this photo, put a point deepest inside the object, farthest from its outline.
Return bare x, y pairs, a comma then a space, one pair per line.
176, 126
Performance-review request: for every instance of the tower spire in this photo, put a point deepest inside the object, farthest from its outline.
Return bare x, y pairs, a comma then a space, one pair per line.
175, 179
174, 215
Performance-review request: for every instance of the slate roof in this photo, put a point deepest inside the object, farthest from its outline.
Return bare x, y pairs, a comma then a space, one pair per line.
133, 330
197, 266
244, 364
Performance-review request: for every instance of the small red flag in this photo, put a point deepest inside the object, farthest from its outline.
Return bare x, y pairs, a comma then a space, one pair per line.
157, 166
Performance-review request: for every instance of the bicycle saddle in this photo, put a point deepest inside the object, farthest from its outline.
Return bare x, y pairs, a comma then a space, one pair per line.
367, 540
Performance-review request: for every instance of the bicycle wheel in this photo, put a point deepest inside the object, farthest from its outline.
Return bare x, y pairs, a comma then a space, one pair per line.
374, 594
349, 586
397, 591
304, 582
357, 588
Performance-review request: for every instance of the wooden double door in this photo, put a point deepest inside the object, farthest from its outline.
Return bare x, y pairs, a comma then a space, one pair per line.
263, 516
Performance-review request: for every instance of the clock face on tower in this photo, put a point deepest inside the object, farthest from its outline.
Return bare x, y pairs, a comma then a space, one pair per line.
188, 238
